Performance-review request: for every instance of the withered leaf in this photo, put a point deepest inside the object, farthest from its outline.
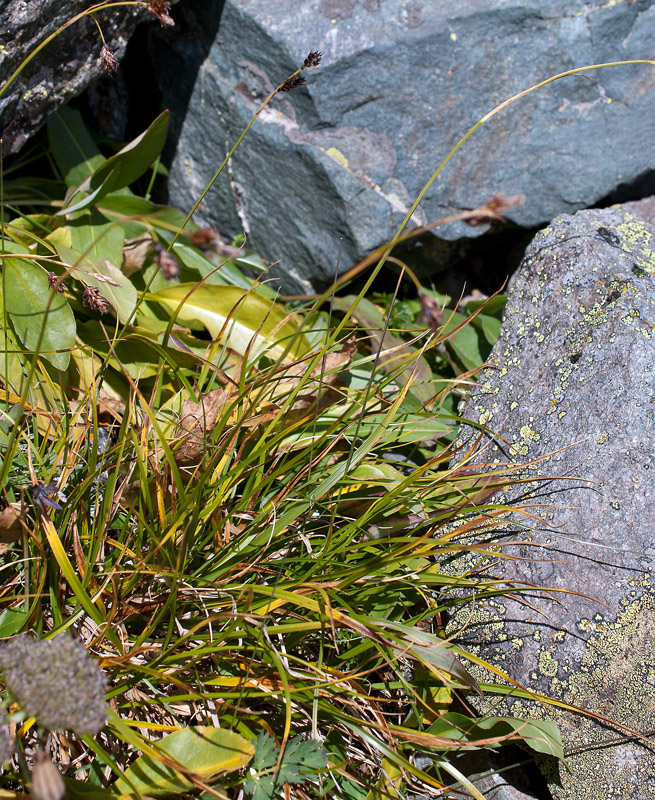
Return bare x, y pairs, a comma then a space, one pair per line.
197, 420
135, 253
10, 523
494, 209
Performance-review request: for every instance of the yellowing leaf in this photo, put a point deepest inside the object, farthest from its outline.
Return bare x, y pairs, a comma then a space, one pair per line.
205, 751
236, 316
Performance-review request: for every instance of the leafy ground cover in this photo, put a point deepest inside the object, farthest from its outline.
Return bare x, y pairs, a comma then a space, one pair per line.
226, 516
238, 505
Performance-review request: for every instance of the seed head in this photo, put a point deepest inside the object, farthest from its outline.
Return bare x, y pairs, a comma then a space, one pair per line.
161, 9
95, 300
7, 741
313, 59
108, 60
203, 238
431, 314
168, 265
55, 283
494, 209
46, 780
43, 495
293, 83
56, 681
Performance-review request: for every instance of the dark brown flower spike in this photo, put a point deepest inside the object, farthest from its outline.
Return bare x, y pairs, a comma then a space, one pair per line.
293, 83
45, 497
203, 238
95, 300
313, 59
108, 60
55, 283
431, 313
161, 9
168, 265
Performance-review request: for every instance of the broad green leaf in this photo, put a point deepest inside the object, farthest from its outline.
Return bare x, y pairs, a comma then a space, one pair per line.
133, 160
465, 343
138, 355
387, 787
61, 236
430, 649
221, 273
138, 216
493, 307
416, 369
206, 751
403, 429
129, 205
488, 326
81, 790
72, 146
541, 735
93, 234
376, 472
42, 319
12, 363
117, 290
124, 167
86, 201
235, 315
12, 621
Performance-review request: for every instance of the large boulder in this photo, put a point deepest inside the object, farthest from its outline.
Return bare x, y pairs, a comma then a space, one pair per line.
329, 170
62, 69
571, 395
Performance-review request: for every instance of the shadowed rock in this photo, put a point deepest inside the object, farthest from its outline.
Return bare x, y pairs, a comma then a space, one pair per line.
60, 71
330, 169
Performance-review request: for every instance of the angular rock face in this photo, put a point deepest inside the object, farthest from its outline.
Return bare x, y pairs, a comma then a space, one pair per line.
572, 395
62, 69
329, 170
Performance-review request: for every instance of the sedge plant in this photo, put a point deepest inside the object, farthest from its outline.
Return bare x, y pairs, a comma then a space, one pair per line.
240, 506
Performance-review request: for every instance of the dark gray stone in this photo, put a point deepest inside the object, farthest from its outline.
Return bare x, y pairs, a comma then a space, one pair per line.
333, 165
62, 69
571, 395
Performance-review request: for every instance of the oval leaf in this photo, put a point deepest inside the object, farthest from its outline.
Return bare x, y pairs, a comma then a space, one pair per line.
133, 160
40, 320
235, 315
206, 751
541, 735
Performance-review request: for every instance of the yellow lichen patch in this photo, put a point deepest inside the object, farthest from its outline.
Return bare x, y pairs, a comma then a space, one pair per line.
547, 664
337, 155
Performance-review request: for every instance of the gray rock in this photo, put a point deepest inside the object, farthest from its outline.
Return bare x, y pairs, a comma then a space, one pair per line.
571, 395
329, 170
60, 71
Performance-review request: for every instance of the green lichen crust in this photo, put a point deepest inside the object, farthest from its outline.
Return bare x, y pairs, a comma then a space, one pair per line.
572, 390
